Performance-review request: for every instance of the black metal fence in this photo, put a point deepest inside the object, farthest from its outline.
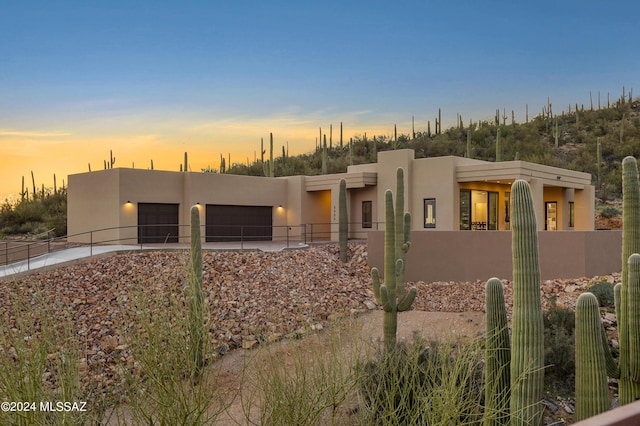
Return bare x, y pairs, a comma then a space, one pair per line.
14, 251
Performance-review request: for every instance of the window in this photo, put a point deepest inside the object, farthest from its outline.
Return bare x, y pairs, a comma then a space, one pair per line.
571, 214
367, 214
507, 210
465, 209
430, 213
551, 216
479, 210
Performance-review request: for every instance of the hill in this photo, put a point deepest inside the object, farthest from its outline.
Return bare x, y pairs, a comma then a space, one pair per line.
568, 140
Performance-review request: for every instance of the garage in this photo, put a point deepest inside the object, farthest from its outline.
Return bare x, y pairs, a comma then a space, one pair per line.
235, 223
158, 223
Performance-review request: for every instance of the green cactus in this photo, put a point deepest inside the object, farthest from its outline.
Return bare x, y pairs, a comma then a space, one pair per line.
343, 224
272, 171
498, 357
627, 331
386, 294
402, 232
469, 143
324, 156
598, 157
498, 146
592, 392
24, 194
527, 353
351, 151
556, 133
374, 156
186, 162
196, 311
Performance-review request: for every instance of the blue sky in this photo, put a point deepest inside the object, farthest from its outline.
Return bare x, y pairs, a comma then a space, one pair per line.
151, 80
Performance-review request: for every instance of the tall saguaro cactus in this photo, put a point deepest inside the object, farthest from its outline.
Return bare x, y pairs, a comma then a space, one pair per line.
527, 350
343, 222
591, 375
497, 356
196, 311
628, 329
390, 294
268, 168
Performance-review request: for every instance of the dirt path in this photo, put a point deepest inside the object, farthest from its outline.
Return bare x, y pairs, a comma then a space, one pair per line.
366, 328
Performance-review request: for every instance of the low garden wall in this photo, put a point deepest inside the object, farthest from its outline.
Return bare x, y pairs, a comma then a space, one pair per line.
472, 255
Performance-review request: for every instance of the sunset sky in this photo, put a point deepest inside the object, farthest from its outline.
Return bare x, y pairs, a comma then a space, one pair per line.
153, 79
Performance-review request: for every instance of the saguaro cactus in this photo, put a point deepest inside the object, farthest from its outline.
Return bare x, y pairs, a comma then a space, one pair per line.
402, 231
343, 223
268, 168
388, 294
498, 145
591, 375
196, 312
497, 356
629, 331
527, 353
324, 157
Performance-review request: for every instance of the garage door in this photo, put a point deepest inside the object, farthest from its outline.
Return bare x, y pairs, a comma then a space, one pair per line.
157, 223
233, 223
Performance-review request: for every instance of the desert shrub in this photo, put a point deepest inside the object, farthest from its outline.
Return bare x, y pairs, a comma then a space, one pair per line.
158, 388
559, 346
603, 290
40, 355
302, 383
609, 212
420, 383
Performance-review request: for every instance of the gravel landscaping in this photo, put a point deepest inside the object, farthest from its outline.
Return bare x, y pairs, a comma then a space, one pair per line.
252, 297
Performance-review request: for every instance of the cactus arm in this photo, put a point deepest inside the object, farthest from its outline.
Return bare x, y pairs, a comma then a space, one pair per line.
497, 356
385, 300
405, 303
633, 315
592, 395
406, 245
527, 356
375, 278
613, 370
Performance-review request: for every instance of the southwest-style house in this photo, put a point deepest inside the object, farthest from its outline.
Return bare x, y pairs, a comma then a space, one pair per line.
442, 193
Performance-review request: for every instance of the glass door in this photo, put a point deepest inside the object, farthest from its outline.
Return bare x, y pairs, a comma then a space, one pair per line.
551, 215
492, 211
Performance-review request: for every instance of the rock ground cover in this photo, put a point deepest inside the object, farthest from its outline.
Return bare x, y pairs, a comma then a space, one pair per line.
252, 297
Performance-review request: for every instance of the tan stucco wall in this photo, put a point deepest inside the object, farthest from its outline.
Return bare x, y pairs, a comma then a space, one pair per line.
469, 256
357, 196
98, 200
93, 203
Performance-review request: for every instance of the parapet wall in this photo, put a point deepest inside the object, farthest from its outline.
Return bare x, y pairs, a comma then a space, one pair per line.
472, 255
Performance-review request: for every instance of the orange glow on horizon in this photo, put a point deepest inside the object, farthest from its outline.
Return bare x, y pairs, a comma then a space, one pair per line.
65, 152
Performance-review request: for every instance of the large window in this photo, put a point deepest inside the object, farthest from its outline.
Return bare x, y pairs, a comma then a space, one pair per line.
367, 214
430, 213
478, 210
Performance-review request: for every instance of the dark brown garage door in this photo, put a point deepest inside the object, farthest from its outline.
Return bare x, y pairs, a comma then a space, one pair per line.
157, 223
233, 223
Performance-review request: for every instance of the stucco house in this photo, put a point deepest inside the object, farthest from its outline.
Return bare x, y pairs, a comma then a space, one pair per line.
442, 193
459, 207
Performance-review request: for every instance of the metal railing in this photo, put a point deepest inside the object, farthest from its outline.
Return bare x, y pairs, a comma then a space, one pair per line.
154, 236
